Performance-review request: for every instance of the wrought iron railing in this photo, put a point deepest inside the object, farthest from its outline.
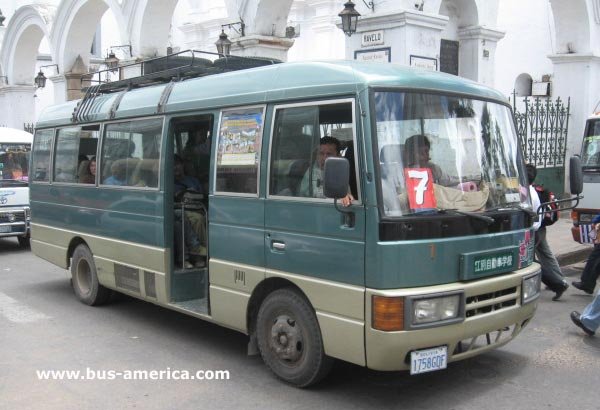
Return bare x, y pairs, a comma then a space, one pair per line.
29, 127
542, 126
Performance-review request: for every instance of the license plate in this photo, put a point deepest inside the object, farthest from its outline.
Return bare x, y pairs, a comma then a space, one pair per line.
428, 360
5, 229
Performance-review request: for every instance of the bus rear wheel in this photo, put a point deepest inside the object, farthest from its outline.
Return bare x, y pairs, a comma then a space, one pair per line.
289, 339
85, 279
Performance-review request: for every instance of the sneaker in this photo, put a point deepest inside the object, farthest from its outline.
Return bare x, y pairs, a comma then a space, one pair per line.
560, 292
581, 286
576, 318
188, 265
199, 263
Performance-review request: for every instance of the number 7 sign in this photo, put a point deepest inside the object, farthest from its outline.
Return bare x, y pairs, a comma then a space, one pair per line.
419, 187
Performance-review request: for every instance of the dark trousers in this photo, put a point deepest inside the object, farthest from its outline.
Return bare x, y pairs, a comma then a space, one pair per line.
592, 269
551, 273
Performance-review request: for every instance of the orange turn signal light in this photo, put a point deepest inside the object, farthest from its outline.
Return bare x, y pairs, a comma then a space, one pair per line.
387, 313
575, 216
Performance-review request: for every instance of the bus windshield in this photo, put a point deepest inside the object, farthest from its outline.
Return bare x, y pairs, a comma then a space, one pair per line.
591, 146
441, 153
14, 164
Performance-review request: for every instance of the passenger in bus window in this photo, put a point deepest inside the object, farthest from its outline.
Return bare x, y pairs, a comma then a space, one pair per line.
87, 171
416, 150
312, 182
118, 170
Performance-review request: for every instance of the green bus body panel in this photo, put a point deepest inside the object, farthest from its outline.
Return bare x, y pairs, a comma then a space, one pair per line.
316, 242
272, 83
236, 229
128, 215
140, 102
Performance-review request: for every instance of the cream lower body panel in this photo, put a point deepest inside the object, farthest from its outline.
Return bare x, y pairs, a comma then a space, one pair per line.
389, 351
339, 308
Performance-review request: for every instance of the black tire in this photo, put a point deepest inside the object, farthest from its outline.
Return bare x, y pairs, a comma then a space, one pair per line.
289, 339
85, 279
23, 241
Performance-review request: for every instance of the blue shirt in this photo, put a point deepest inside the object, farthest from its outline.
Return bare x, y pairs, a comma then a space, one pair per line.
112, 180
188, 182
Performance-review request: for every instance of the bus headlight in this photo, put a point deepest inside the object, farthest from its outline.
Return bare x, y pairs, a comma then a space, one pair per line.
531, 288
436, 309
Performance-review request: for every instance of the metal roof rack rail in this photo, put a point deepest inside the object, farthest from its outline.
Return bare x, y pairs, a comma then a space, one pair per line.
160, 70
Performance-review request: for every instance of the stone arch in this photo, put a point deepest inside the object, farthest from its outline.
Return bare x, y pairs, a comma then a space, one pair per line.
461, 13
572, 22
24, 33
146, 25
266, 17
523, 85
75, 26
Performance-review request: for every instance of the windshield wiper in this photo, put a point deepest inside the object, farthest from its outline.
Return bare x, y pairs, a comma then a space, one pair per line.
513, 208
487, 219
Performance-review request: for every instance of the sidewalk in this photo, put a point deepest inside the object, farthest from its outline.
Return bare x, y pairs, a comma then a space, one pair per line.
566, 250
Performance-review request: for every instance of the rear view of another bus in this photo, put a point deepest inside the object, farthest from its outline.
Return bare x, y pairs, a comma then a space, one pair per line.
15, 149
589, 206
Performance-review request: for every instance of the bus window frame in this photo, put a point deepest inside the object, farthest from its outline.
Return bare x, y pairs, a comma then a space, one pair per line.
352, 100
54, 145
216, 152
99, 158
51, 160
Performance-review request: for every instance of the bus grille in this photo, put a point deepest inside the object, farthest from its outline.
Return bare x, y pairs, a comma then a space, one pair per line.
493, 338
19, 216
491, 302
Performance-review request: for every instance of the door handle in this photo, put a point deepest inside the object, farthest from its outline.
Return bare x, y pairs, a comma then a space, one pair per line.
278, 246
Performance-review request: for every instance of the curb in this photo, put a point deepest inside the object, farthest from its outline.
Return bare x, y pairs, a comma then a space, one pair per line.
572, 257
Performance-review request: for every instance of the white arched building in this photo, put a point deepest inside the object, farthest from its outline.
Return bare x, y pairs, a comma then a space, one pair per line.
506, 44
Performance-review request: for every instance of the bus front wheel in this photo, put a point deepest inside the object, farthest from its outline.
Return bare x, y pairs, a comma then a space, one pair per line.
85, 279
289, 339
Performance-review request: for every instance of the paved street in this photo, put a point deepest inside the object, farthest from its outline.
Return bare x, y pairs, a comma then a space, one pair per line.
551, 365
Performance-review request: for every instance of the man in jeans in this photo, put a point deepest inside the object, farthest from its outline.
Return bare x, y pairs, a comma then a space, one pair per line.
591, 271
589, 320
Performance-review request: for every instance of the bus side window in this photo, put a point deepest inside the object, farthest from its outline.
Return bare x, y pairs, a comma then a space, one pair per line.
74, 145
130, 153
303, 138
41, 155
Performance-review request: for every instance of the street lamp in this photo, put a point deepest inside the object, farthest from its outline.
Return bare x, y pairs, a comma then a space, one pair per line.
111, 60
40, 78
223, 43
2, 18
349, 18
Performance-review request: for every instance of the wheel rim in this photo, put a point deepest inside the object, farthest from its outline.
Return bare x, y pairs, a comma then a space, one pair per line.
84, 277
286, 340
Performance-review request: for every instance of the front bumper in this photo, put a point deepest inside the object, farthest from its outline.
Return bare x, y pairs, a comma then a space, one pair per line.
14, 222
492, 320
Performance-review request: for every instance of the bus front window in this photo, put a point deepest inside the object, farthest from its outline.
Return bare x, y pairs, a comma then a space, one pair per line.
446, 153
591, 146
14, 163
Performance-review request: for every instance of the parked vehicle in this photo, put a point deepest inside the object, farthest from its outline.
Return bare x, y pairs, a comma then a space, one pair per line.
431, 263
15, 148
589, 205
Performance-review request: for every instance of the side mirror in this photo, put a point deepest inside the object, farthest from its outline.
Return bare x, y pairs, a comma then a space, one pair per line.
336, 177
576, 175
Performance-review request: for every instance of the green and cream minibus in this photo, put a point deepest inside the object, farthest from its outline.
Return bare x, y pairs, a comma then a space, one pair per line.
432, 262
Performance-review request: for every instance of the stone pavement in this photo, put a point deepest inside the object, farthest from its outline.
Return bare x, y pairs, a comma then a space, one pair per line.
566, 250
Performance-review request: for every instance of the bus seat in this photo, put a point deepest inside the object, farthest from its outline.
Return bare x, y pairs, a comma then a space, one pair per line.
145, 173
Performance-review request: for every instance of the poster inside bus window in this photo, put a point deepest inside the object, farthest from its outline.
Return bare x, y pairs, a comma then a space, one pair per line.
240, 135
419, 186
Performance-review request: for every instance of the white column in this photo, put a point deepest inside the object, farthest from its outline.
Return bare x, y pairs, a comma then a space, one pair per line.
405, 33
18, 105
60, 88
576, 76
477, 53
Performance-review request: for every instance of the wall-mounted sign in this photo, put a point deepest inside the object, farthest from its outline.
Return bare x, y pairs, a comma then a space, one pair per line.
371, 38
449, 56
424, 62
381, 55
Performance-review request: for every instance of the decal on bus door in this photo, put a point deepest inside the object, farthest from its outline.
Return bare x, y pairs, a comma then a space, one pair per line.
419, 186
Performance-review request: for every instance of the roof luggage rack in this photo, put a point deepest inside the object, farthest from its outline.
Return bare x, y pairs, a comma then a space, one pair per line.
160, 70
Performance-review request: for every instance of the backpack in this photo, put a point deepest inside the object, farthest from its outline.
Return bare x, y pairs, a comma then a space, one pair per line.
551, 210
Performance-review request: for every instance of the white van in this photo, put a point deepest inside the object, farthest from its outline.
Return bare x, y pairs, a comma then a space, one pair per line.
15, 149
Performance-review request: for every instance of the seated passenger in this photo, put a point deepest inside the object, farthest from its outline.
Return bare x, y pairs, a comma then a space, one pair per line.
87, 171
416, 150
119, 173
190, 251
312, 182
